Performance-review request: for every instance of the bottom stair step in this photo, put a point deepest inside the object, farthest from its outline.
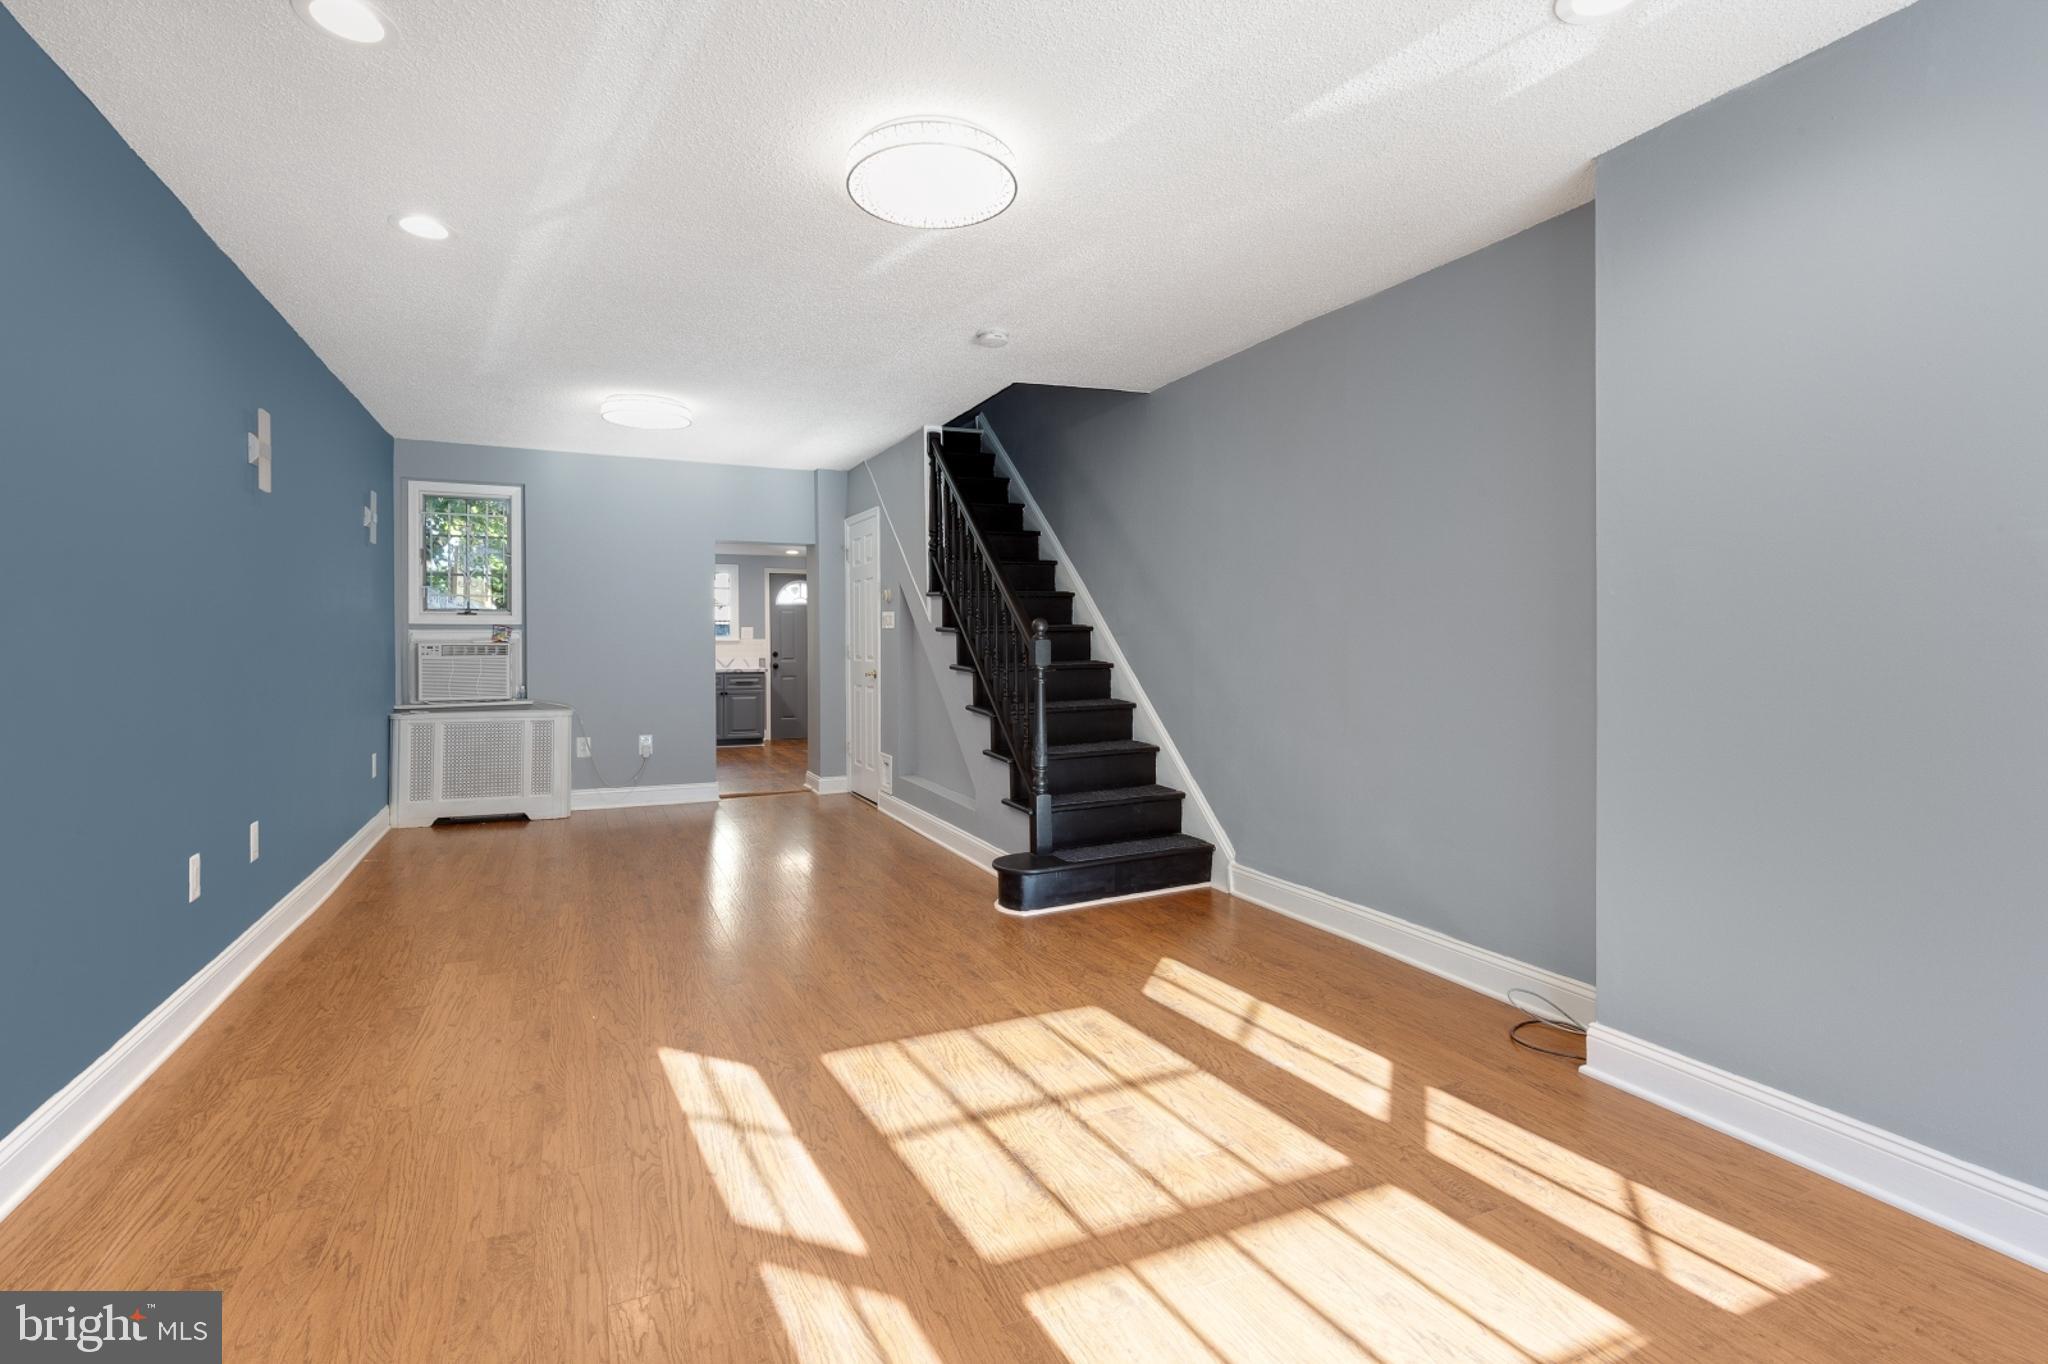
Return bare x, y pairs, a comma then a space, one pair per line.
1099, 871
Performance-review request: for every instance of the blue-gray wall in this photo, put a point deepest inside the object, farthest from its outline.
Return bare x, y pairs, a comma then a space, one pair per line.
828, 625
619, 555
183, 653
934, 745
1353, 567
1823, 483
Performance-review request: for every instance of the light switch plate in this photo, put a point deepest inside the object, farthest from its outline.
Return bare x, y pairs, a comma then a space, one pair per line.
192, 879
255, 839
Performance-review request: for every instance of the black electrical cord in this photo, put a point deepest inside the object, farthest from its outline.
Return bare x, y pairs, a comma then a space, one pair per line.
1557, 1020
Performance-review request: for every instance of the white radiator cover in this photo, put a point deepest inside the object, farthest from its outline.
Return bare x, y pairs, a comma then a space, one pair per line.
491, 760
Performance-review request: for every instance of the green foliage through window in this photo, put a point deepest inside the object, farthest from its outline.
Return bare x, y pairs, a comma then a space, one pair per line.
466, 553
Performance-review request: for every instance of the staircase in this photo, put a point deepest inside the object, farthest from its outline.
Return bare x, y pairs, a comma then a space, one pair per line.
1101, 825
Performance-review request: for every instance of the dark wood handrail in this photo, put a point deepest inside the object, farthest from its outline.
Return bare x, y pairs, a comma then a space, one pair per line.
1009, 649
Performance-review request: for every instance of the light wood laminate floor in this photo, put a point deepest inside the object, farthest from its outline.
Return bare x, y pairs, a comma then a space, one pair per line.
762, 769
770, 1080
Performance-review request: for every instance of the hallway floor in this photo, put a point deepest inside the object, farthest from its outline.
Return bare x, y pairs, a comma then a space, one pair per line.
762, 769
769, 1080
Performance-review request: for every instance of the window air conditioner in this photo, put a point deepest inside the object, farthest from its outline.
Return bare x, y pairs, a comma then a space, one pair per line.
446, 672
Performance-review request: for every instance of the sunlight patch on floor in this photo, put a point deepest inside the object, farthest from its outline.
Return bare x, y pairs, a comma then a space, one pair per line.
768, 1180
1043, 1131
1342, 1069
1376, 1276
829, 1322
1723, 1265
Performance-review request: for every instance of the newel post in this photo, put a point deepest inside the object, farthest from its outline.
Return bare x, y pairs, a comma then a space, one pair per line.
1041, 779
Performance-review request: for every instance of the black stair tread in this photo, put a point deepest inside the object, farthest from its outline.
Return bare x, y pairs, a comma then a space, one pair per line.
1112, 795
1160, 845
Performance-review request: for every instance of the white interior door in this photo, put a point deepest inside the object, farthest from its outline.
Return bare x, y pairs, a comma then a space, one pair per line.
864, 649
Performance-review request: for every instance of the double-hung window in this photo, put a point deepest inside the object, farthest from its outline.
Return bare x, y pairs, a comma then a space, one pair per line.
465, 554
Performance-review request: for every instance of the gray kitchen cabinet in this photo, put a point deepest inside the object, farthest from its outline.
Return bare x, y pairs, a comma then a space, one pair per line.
742, 707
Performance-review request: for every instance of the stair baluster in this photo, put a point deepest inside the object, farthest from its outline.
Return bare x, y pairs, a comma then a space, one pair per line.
1010, 649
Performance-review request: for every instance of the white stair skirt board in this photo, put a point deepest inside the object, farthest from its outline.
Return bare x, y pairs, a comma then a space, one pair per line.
1440, 954
951, 837
1983, 1205
1103, 640
624, 797
31, 1151
827, 786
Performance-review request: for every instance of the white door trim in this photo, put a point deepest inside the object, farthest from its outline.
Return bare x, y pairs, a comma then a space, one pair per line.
856, 523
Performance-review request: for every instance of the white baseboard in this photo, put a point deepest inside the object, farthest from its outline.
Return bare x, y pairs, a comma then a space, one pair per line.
31, 1151
828, 786
951, 837
625, 797
1990, 1208
1440, 954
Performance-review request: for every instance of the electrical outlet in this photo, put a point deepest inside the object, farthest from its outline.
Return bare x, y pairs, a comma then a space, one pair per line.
583, 745
647, 745
255, 839
192, 879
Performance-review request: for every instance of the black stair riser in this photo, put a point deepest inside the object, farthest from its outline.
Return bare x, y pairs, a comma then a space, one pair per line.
982, 489
1076, 684
1073, 828
1075, 727
1095, 772
1047, 606
1034, 575
990, 516
981, 464
1068, 646
1028, 891
1012, 544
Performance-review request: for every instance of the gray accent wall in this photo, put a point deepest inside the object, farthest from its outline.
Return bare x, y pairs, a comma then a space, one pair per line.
934, 744
1823, 483
619, 555
828, 625
1353, 568
183, 653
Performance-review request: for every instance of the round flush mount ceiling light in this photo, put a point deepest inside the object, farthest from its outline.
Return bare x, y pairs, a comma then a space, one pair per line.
1590, 11
422, 225
644, 412
348, 19
994, 338
932, 173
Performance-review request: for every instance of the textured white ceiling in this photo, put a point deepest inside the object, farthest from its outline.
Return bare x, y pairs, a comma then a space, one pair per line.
647, 194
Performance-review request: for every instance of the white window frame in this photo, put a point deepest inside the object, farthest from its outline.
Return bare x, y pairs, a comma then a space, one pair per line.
724, 566
416, 598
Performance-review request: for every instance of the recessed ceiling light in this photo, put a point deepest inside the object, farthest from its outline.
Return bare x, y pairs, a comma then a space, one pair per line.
792, 551
931, 172
644, 412
350, 19
424, 226
995, 338
1587, 11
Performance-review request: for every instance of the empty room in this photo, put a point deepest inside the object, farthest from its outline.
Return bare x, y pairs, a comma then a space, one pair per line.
1024, 681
